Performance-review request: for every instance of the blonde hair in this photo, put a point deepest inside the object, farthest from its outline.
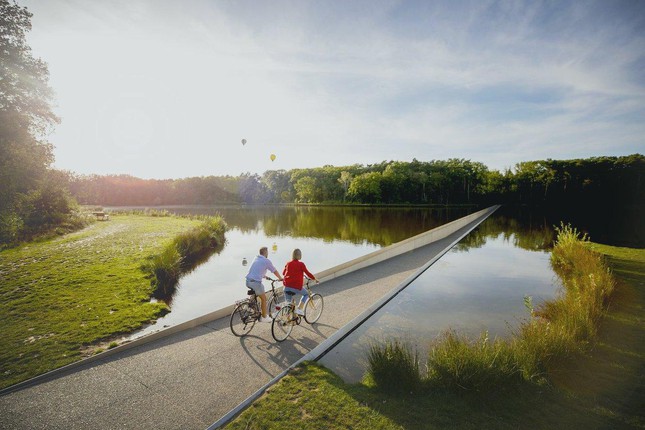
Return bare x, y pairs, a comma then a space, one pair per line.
296, 254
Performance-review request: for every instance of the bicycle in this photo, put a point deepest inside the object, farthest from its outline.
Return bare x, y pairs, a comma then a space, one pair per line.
248, 311
287, 317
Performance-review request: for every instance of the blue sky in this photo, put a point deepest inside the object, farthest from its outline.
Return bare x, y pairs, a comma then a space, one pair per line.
168, 89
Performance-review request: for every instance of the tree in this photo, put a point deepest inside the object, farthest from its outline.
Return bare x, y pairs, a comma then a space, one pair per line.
25, 110
345, 179
366, 188
307, 189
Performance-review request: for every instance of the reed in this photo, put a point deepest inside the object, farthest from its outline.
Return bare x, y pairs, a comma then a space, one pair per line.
394, 367
181, 255
555, 332
455, 361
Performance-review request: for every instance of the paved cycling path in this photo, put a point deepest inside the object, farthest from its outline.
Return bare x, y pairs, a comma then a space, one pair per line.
191, 379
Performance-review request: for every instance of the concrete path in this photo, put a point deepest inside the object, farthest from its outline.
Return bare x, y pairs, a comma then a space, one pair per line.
191, 379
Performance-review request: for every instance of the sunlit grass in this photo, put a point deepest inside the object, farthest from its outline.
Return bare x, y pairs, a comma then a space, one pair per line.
60, 297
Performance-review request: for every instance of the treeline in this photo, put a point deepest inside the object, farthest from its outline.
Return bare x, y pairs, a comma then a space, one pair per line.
125, 190
596, 180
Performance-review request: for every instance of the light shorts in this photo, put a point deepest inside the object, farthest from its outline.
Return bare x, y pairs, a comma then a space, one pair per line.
255, 286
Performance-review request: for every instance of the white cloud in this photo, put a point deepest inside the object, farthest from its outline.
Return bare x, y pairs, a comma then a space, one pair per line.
158, 89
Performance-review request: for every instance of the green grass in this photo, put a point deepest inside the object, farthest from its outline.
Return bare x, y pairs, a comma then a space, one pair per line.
311, 397
394, 367
602, 388
59, 298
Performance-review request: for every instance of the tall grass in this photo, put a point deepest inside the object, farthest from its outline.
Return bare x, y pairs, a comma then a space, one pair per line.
394, 367
183, 252
555, 331
456, 361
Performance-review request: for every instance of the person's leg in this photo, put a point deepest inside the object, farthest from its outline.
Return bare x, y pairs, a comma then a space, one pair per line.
291, 298
259, 292
303, 299
263, 301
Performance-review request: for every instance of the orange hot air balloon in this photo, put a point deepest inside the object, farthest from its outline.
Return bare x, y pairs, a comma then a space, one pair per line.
272, 157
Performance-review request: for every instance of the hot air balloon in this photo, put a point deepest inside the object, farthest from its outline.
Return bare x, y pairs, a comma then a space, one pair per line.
243, 141
272, 157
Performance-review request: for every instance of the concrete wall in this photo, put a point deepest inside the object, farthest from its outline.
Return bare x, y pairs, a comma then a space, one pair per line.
402, 247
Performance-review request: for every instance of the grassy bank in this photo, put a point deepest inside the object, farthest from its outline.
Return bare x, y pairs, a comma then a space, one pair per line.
603, 387
556, 332
60, 297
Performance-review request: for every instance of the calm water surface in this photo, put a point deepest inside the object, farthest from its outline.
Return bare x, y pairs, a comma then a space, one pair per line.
478, 286
327, 237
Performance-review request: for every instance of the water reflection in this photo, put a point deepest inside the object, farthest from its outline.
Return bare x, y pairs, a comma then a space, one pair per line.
522, 228
377, 226
328, 237
477, 286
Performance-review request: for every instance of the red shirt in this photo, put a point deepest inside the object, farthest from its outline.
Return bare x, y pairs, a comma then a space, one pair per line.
294, 272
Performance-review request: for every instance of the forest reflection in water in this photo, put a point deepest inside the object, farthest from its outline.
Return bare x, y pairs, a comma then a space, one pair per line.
381, 226
478, 286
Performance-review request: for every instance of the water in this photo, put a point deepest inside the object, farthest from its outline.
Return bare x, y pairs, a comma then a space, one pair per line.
478, 286
327, 236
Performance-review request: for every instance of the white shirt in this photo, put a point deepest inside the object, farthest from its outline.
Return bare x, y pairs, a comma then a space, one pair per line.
259, 268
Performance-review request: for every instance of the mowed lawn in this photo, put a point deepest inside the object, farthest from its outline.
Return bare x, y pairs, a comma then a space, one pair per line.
59, 297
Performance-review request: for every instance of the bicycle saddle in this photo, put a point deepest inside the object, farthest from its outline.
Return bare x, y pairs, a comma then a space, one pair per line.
289, 293
250, 292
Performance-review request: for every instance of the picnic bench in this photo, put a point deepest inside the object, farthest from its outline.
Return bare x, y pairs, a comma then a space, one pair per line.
101, 216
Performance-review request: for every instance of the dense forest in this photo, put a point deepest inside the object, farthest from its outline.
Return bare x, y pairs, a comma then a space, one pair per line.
615, 181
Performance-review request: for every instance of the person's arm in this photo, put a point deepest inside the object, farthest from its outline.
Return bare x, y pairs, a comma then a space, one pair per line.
276, 273
309, 274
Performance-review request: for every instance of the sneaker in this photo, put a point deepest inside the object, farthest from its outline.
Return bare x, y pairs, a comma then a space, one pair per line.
300, 312
265, 319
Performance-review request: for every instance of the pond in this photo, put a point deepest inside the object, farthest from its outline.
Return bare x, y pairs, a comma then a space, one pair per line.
478, 286
327, 236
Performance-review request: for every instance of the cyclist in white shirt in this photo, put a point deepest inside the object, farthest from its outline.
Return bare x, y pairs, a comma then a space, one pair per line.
254, 278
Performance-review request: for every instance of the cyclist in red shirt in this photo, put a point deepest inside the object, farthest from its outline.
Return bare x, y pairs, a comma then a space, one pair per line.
294, 272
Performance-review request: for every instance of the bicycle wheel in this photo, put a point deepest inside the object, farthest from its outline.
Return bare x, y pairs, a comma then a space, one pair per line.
314, 308
271, 306
242, 319
282, 325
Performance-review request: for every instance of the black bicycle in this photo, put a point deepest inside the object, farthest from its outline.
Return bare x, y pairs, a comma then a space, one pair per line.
248, 311
287, 317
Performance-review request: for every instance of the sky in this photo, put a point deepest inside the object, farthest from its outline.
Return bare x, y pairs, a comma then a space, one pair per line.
168, 89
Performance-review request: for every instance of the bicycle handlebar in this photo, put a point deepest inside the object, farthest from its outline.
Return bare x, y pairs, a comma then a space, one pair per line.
307, 280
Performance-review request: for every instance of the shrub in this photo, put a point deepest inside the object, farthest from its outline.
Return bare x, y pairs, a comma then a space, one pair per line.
11, 226
394, 367
182, 253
